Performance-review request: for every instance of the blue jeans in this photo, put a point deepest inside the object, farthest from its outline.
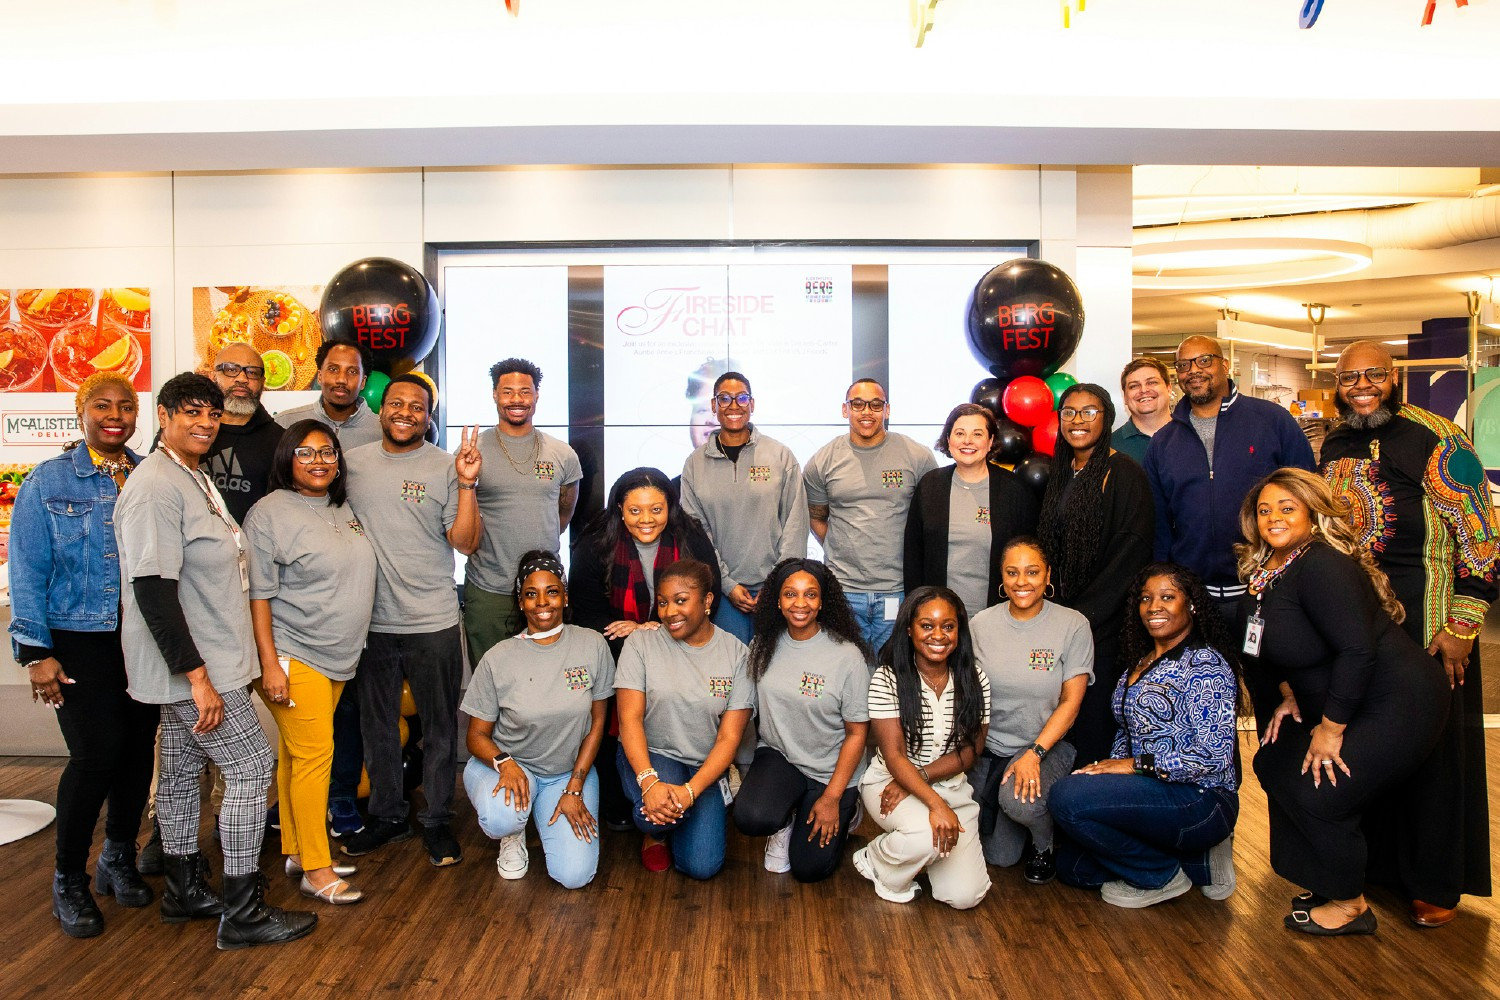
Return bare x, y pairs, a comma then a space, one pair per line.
571, 862
869, 614
697, 840
734, 621
1136, 828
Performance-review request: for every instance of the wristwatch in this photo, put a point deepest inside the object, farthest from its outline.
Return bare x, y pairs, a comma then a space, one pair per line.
500, 759
1145, 763
1039, 750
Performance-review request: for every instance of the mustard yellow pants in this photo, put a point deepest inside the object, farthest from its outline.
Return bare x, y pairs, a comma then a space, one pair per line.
304, 759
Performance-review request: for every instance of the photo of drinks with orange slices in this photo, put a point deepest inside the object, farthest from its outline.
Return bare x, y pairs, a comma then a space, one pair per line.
51, 339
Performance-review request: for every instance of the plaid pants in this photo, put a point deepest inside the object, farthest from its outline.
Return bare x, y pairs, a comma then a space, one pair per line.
238, 747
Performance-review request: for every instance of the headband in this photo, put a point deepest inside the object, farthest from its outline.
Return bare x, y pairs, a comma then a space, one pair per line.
547, 563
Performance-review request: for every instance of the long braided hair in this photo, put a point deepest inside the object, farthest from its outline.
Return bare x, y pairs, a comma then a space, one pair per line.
1070, 532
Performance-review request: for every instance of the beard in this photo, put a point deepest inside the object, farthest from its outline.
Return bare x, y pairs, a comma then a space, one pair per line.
1207, 396
1375, 419
240, 406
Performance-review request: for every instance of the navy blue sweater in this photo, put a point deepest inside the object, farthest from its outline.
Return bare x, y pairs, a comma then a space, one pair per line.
1197, 510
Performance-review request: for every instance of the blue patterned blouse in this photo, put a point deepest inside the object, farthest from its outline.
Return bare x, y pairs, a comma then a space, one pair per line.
1181, 710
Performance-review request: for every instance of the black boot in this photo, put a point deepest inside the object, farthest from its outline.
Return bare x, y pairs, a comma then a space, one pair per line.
73, 905
150, 861
116, 875
188, 896
249, 920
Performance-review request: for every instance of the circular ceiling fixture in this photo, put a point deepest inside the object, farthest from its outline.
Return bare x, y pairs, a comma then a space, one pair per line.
1243, 263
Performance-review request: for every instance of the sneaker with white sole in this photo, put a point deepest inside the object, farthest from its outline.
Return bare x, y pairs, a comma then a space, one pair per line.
1220, 870
513, 860
778, 851
1126, 895
863, 865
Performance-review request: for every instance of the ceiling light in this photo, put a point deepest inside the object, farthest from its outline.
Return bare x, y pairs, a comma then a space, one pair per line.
1244, 263
1395, 343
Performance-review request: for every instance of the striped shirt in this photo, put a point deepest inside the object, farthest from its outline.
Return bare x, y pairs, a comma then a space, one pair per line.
937, 723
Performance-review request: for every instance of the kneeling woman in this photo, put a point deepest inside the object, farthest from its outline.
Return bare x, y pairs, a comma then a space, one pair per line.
1155, 818
812, 674
536, 717
1039, 659
929, 707
684, 698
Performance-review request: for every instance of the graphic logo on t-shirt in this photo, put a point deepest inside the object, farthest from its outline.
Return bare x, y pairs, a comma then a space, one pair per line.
577, 679
813, 684
546, 470
982, 516
893, 479
356, 527
1043, 659
720, 687
760, 473
413, 492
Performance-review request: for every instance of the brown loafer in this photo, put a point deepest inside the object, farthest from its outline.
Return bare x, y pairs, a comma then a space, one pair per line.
1427, 915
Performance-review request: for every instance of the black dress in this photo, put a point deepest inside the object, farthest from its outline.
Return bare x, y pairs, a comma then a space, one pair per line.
1125, 545
1328, 638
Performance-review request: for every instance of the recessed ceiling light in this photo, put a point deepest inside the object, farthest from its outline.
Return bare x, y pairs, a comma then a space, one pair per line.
1395, 343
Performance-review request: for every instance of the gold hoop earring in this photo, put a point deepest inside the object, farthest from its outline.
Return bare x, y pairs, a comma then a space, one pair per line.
1049, 591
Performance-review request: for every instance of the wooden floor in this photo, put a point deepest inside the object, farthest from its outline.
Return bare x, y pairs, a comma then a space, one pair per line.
462, 931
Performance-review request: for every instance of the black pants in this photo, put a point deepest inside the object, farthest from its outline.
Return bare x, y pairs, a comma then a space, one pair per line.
112, 745
774, 794
348, 746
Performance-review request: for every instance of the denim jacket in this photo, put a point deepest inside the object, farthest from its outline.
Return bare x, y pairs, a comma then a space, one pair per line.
64, 561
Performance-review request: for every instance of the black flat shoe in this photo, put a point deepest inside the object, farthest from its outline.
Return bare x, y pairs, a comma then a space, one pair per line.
1307, 901
1301, 920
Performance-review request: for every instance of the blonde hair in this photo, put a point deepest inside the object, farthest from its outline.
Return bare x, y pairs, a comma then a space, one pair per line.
98, 380
1331, 522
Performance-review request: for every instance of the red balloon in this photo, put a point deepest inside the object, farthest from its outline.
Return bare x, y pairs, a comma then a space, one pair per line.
1044, 435
1027, 400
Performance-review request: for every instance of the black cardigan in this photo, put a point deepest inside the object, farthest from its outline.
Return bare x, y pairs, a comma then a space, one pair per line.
1013, 511
1126, 537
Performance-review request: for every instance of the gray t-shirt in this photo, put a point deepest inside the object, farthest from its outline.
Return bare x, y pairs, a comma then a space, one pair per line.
539, 697
1027, 663
312, 561
165, 528
407, 501
519, 504
361, 428
810, 689
688, 689
647, 555
1206, 427
969, 537
868, 492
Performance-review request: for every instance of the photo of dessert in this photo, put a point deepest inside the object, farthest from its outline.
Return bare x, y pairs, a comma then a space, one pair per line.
280, 323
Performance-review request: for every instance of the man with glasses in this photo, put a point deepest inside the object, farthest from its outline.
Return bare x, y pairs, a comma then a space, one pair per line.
342, 368
747, 491
1204, 461
1422, 506
859, 488
239, 462
1146, 389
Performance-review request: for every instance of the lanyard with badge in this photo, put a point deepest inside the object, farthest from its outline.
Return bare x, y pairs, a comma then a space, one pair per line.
218, 508
1261, 581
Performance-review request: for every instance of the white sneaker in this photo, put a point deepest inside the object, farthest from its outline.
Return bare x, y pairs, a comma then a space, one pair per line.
1126, 895
864, 867
778, 851
1220, 870
513, 860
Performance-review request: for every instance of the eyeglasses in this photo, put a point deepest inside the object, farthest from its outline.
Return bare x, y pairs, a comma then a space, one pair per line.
306, 454
1375, 375
256, 373
860, 405
1202, 361
1088, 413
742, 398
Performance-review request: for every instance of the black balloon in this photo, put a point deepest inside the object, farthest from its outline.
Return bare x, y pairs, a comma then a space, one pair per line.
387, 306
1012, 441
987, 393
1025, 318
1034, 470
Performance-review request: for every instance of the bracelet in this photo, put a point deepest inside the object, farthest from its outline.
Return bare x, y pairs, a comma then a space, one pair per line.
1466, 638
468, 486
922, 770
692, 795
648, 772
569, 791
649, 787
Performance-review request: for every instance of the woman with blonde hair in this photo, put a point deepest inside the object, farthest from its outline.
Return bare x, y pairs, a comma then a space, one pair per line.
1354, 695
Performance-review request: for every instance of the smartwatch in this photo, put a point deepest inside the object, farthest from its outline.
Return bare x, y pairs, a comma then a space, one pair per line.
500, 758
1039, 750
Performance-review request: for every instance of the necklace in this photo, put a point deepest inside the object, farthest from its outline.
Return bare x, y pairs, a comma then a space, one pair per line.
318, 510
536, 451
1263, 579
115, 468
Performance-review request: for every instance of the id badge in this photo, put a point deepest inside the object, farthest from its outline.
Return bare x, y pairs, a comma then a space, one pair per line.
892, 608
244, 572
724, 791
1255, 625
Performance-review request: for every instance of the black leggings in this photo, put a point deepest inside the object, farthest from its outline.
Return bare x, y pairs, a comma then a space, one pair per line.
112, 743
774, 794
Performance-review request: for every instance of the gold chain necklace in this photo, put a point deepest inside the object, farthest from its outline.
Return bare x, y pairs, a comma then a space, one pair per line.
536, 451
320, 512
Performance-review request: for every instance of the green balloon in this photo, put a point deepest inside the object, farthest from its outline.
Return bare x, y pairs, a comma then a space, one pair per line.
374, 390
1059, 383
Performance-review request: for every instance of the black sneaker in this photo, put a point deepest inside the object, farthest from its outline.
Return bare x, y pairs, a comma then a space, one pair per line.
442, 849
377, 833
1041, 867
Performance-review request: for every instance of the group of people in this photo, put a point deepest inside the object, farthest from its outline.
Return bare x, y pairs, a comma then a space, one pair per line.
995, 678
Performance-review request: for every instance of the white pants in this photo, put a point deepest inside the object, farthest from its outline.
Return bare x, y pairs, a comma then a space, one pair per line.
905, 849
